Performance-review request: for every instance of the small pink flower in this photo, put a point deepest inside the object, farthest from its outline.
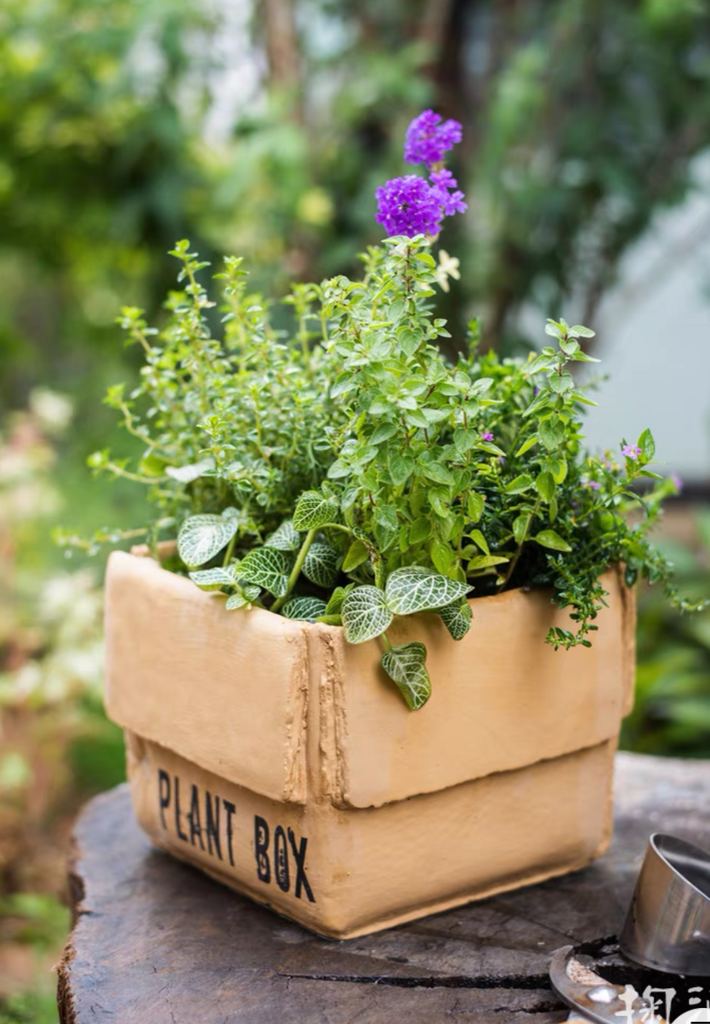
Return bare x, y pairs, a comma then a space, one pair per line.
631, 451
594, 484
486, 436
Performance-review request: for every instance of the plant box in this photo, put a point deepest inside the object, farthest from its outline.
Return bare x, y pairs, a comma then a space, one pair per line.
281, 760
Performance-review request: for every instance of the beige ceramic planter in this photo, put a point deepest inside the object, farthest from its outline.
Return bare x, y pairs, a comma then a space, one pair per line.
281, 760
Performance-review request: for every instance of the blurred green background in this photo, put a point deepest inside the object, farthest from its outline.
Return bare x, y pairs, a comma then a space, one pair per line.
263, 128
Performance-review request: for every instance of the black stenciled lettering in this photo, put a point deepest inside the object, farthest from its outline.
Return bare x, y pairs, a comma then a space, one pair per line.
163, 794
212, 824
181, 835
261, 847
299, 855
231, 810
194, 818
281, 860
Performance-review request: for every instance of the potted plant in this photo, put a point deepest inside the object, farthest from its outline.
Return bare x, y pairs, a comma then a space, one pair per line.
340, 686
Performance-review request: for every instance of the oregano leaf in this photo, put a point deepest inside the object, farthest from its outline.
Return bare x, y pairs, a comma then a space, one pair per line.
406, 666
551, 539
365, 614
415, 588
357, 554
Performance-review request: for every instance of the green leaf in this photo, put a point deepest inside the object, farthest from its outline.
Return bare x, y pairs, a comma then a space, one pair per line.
437, 473
335, 602
486, 562
357, 554
305, 609
401, 468
554, 329
552, 432
569, 346
480, 541
561, 382
365, 614
578, 331
488, 446
242, 597
442, 556
457, 618
416, 589
267, 567
520, 526
521, 483
214, 579
551, 539
647, 445
527, 445
203, 537
193, 471
383, 433
545, 486
321, 565
285, 538
474, 506
406, 666
464, 439
419, 530
386, 526
313, 510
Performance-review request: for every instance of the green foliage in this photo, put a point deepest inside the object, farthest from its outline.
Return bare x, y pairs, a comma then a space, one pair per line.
386, 479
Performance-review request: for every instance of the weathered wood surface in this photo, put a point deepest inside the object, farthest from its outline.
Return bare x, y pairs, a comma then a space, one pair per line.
157, 943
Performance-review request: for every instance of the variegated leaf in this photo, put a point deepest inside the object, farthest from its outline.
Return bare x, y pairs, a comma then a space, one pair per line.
244, 596
268, 568
417, 589
457, 618
321, 565
203, 537
406, 665
365, 614
285, 538
314, 510
307, 609
213, 579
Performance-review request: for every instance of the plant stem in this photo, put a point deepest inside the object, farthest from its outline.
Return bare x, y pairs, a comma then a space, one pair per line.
386, 641
296, 571
230, 550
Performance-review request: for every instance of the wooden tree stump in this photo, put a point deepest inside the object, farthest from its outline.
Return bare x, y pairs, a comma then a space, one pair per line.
155, 942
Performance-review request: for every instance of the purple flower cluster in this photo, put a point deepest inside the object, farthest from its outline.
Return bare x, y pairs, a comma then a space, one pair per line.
631, 451
411, 205
428, 138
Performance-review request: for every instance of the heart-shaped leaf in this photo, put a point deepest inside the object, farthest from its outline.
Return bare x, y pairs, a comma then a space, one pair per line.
285, 538
457, 618
357, 554
321, 565
213, 579
417, 589
306, 609
406, 665
203, 537
243, 596
314, 510
268, 568
365, 614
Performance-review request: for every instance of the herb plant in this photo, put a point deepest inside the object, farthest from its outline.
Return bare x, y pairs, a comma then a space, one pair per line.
347, 473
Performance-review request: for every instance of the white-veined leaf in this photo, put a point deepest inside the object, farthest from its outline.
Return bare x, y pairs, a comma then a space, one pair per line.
417, 589
406, 665
313, 510
268, 568
321, 565
457, 618
203, 537
244, 596
285, 538
306, 609
213, 579
365, 614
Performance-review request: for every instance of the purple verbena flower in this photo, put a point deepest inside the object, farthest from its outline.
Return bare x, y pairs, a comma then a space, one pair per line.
409, 206
594, 484
631, 451
486, 435
428, 138
452, 201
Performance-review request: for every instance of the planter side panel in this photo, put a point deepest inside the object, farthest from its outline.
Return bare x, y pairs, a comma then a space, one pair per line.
229, 690
501, 698
348, 872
